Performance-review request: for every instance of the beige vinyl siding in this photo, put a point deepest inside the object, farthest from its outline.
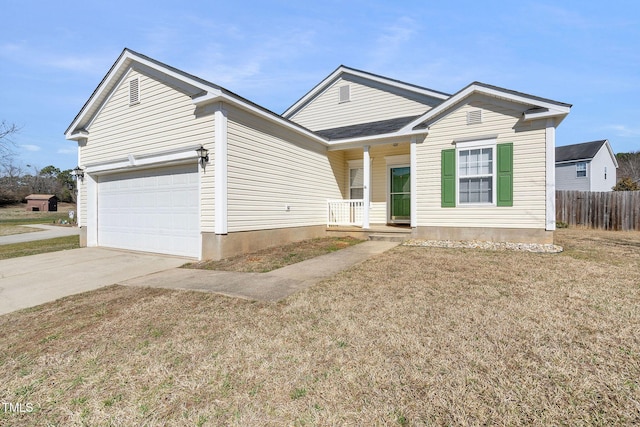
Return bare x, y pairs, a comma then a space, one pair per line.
379, 177
207, 194
340, 172
270, 168
529, 165
163, 120
367, 104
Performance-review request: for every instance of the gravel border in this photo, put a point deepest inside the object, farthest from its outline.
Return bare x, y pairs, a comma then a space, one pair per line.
493, 246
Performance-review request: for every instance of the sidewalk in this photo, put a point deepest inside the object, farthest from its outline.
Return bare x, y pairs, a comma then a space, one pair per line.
49, 232
272, 286
33, 280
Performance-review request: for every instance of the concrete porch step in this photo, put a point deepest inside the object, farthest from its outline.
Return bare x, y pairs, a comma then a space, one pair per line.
390, 237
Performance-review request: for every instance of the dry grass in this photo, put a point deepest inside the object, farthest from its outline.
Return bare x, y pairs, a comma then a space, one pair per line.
415, 336
278, 257
15, 250
10, 229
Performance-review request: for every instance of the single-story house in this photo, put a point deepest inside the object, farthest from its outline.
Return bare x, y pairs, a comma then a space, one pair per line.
42, 203
588, 166
175, 164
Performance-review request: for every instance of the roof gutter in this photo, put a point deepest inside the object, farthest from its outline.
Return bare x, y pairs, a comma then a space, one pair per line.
388, 138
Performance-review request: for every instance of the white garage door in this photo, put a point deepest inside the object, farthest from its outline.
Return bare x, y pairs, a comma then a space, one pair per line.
152, 210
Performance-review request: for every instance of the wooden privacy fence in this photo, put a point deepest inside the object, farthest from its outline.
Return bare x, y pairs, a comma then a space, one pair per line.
612, 210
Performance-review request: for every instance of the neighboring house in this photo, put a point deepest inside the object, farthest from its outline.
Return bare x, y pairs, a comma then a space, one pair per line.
42, 203
358, 149
589, 166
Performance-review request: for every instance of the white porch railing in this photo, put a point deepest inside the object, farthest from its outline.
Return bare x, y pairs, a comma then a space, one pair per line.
345, 212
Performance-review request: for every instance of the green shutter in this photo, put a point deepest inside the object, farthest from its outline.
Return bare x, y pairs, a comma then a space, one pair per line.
505, 174
448, 177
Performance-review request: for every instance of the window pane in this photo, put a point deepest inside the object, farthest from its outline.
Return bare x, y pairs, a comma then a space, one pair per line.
356, 193
475, 162
356, 177
464, 160
487, 162
476, 190
486, 195
464, 191
400, 182
581, 169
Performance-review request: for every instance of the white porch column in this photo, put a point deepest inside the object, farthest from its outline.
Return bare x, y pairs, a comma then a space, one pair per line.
550, 214
413, 181
366, 164
220, 170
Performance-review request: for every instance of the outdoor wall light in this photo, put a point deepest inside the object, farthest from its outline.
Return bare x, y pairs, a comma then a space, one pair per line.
203, 153
78, 172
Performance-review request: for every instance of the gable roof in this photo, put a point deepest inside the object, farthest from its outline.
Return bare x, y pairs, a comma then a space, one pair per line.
342, 70
201, 92
539, 107
584, 151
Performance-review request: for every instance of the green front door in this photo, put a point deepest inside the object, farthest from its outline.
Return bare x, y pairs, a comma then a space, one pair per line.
400, 194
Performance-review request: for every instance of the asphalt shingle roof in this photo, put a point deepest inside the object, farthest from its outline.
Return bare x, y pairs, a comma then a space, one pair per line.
585, 150
366, 129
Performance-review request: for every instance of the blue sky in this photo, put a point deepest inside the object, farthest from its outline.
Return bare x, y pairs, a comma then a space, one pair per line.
53, 54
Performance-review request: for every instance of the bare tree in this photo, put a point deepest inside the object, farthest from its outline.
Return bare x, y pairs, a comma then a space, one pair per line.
11, 182
629, 165
6, 130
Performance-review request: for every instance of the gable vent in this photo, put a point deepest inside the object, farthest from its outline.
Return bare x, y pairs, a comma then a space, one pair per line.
345, 93
474, 117
134, 91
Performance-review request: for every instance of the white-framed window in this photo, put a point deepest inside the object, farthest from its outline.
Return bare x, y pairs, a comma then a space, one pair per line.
476, 171
581, 169
356, 183
356, 179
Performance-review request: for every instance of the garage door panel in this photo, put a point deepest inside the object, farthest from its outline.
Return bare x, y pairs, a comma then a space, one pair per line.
155, 210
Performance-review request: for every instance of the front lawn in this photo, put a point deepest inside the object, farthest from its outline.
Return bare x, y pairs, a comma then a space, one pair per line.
15, 250
415, 336
277, 257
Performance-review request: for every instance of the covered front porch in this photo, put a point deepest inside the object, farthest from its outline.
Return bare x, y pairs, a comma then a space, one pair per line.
378, 186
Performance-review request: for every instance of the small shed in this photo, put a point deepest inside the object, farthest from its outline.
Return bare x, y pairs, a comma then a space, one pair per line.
42, 202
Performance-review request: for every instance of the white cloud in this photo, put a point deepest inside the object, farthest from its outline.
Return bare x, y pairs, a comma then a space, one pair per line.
24, 54
31, 147
397, 33
389, 43
67, 151
624, 131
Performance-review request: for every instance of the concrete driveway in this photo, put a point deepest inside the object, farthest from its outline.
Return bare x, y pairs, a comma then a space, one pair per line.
33, 280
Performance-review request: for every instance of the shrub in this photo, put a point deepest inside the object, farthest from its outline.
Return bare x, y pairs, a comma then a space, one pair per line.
626, 184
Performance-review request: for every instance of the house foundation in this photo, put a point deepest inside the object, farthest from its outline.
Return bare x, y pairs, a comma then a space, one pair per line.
219, 246
488, 234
